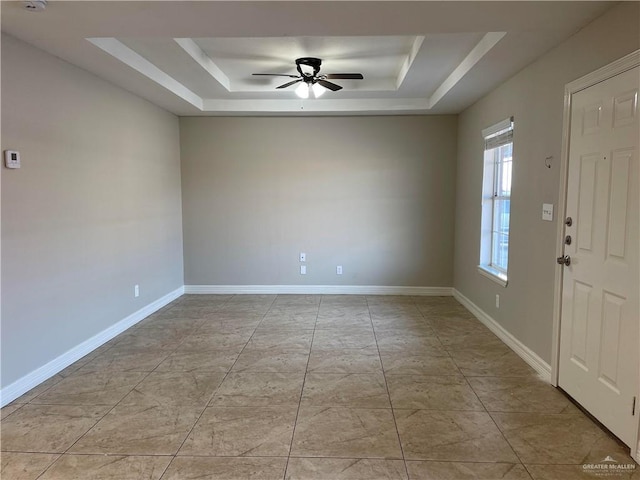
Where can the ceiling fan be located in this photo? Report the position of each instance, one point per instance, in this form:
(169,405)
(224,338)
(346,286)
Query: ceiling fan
(312,81)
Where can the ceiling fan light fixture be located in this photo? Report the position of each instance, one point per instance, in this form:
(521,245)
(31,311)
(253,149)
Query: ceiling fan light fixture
(318,90)
(303,90)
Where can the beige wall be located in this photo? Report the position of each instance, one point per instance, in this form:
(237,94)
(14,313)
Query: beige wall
(94,209)
(535,98)
(373,194)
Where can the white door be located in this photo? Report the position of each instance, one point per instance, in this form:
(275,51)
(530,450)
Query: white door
(600,318)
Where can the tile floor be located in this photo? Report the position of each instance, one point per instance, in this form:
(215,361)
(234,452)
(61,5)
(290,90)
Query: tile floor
(302,387)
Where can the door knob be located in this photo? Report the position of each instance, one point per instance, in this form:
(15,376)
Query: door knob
(566,260)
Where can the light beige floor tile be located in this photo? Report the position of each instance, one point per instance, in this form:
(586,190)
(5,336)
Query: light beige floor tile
(343,301)
(101,467)
(345,469)
(175,388)
(402,364)
(229,324)
(434,301)
(9,409)
(92,388)
(584,472)
(287,322)
(432,393)
(124,360)
(520,394)
(139,430)
(394,332)
(353,337)
(202,361)
(215,341)
(143,340)
(557,438)
(344,361)
(410,345)
(297,300)
(450,327)
(445,310)
(174,332)
(24,466)
(452,436)
(282,341)
(259,389)
(48,428)
(398,319)
(264,330)
(418,328)
(467,471)
(242,431)
(345,317)
(390,300)
(498,361)
(229,468)
(270,361)
(346,390)
(345,432)
(327,310)
(292,315)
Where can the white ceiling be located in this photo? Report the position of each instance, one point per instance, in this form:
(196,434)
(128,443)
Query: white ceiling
(196,58)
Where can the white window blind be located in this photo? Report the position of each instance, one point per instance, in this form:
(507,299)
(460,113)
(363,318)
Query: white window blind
(496,210)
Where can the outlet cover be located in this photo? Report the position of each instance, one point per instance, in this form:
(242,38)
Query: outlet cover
(547,212)
(303,257)
(339,270)
(303,269)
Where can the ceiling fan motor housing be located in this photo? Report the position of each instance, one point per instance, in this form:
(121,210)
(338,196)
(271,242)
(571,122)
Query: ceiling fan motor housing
(312,62)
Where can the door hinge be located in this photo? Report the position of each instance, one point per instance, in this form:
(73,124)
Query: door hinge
(633,407)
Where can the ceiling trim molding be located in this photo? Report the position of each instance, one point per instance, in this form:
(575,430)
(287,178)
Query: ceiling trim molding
(475,55)
(366,105)
(195,52)
(119,50)
(413,53)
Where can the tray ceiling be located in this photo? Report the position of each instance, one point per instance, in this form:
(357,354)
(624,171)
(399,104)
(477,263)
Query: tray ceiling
(197,58)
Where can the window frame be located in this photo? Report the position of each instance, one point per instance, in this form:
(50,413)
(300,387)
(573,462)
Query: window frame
(496,138)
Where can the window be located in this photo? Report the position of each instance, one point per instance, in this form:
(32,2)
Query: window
(496,201)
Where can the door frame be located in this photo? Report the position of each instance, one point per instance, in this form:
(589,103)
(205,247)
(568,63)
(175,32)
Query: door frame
(617,67)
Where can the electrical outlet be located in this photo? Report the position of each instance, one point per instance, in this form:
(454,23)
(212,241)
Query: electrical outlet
(497,301)
(136,290)
(339,270)
(303,269)
(547,212)
(303,257)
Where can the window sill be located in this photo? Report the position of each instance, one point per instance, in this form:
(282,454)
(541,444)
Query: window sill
(492,274)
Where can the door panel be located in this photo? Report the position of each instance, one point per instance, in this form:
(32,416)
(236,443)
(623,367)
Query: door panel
(599,327)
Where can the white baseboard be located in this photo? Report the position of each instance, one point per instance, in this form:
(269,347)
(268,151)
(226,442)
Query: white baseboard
(39,375)
(528,355)
(317,290)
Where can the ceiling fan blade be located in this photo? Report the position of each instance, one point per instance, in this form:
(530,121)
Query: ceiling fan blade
(331,86)
(289,83)
(275,75)
(345,76)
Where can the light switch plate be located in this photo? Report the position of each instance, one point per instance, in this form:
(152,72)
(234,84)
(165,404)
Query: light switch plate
(12,159)
(547,212)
